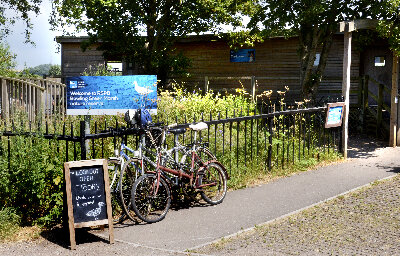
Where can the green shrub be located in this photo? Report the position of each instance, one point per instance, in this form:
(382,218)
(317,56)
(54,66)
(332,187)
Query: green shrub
(9,223)
(32,182)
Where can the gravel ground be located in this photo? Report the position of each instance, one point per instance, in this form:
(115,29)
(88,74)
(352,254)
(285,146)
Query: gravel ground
(364,222)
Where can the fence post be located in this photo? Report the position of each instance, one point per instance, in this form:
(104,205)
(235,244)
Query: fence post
(360,92)
(270,131)
(5,106)
(43,94)
(394,100)
(365,100)
(379,110)
(83,139)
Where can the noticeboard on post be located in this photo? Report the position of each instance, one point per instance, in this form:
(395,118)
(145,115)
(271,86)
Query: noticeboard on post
(334,114)
(110,95)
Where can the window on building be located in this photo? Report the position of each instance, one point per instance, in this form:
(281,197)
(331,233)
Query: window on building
(114,66)
(380,61)
(317,57)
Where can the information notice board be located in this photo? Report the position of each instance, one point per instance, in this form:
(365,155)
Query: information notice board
(334,114)
(88,195)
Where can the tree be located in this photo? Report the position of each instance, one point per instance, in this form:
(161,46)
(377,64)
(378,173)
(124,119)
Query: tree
(22,10)
(143,32)
(55,70)
(314,22)
(40,70)
(7,61)
(388,11)
(45,70)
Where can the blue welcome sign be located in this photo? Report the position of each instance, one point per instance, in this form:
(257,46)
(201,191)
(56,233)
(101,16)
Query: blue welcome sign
(110,95)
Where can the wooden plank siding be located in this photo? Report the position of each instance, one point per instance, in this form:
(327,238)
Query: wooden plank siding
(74,61)
(274,58)
(276,65)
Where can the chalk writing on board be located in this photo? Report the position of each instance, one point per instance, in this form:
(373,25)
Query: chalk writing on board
(88,194)
(95,212)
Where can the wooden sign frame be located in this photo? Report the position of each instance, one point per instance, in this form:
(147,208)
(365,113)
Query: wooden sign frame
(334,105)
(71,219)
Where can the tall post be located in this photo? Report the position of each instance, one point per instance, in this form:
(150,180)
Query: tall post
(253,89)
(346,89)
(206,84)
(83,139)
(379,110)
(87,131)
(394,132)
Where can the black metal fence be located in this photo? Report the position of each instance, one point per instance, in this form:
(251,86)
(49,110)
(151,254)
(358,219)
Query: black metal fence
(263,137)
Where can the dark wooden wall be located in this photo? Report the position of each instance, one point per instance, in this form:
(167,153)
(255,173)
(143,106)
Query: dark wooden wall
(276,65)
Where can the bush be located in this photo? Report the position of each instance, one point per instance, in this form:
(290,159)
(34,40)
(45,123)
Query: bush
(9,223)
(32,182)
(178,103)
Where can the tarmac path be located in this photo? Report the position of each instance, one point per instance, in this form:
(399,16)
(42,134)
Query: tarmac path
(243,209)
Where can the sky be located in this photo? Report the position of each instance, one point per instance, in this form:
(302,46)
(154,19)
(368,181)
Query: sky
(45,51)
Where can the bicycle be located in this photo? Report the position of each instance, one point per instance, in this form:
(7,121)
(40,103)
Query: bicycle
(126,170)
(123,172)
(151,192)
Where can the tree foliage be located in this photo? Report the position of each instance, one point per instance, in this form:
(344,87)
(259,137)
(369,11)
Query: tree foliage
(314,22)
(389,24)
(55,70)
(45,70)
(21,10)
(7,61)
(143,32)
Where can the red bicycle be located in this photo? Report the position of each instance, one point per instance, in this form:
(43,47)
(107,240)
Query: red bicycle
(151,193)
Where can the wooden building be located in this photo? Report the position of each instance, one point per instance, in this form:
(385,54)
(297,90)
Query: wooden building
(363,78)
(274,65)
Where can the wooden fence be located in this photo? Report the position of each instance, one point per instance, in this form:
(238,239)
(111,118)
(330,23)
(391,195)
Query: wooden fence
(375,112)
(329,89)
(34,96)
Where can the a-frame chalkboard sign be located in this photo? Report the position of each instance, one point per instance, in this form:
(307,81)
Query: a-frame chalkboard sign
(88,196)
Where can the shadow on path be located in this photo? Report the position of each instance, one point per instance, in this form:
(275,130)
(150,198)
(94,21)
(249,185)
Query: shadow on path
(363,146)
(60,236)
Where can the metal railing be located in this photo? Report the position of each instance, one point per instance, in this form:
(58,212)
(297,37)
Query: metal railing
(264,137)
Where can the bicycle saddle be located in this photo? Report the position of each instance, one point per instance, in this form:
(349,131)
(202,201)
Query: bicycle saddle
(177,131)
(199,126)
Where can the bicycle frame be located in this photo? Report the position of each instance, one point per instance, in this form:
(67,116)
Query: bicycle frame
(182,174)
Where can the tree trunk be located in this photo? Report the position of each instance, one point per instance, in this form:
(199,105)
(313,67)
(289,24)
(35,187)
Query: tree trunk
(313,38)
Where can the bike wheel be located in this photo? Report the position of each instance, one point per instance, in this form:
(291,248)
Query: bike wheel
(205,154)
(118,212)
(147,205)
(129,173)
(212,183)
